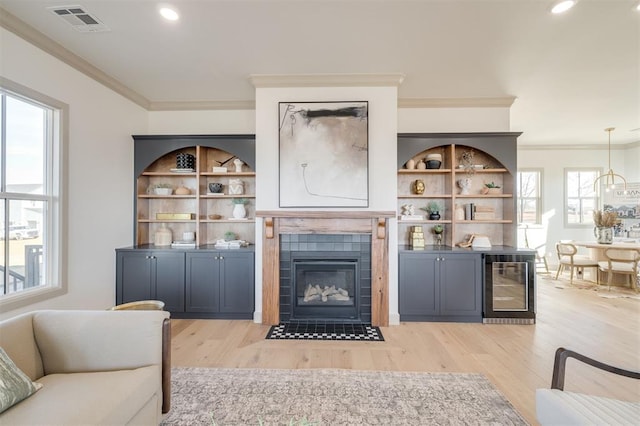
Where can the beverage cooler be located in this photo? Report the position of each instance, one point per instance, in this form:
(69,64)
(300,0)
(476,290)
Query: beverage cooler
(509,288)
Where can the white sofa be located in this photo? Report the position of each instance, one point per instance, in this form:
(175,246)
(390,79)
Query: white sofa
(96,367)
(557,407)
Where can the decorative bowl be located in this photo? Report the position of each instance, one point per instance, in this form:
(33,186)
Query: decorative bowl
(215,187)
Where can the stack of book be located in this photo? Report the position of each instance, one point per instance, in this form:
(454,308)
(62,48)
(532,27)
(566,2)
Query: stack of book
(416,239)
(233,244)
(183,244)
(484,213)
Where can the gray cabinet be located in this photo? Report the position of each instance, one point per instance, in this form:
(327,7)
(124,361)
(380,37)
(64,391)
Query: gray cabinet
(144,275)
(440,286)
(220,284)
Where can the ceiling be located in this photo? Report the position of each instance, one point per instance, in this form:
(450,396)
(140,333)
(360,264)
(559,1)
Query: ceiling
(572,75)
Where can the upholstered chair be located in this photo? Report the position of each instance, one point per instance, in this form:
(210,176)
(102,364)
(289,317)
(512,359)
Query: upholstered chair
(568,258)
(621,261)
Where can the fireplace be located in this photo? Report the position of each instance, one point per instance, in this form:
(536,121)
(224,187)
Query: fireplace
(324,288)
(325,282)
(284,230)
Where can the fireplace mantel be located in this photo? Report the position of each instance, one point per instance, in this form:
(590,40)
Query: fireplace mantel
(279,222)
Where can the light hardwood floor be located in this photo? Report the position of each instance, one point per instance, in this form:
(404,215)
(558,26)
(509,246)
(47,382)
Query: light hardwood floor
(517,359)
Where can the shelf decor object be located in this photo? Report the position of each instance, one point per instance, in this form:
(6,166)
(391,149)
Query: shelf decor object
(610,176)
(324,156)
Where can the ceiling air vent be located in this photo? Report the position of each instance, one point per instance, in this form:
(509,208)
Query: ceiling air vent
(78,17)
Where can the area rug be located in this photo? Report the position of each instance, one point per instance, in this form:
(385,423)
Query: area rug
(616,292)
(325,331)
(221,397)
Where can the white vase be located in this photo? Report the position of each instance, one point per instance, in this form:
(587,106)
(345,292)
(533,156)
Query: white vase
(239,212)
(238,163)
(465,185)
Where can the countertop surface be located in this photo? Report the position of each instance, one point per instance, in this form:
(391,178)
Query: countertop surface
(204,247)
(450,249)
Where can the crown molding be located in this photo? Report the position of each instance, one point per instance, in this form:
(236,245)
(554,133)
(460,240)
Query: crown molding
(28,33)
(496,102)
(202,105)
(326,80)
(578,147)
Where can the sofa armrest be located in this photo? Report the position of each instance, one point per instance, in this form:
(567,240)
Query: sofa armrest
(166,365)
(560,362)
(85,341)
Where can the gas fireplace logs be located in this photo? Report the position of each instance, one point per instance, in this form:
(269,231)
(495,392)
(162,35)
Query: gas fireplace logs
(312,293)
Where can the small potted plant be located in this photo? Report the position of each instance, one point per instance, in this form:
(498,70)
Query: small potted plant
(438,230)
(491,188)
(433,208)
(160,189)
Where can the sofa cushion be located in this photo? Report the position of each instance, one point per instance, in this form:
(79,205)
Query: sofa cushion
(95,343)
(556,407)
(18,341)
(100,398)
(14,384)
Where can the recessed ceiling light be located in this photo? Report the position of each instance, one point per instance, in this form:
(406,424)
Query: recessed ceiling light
(169,14)
(563,6)
(638,7)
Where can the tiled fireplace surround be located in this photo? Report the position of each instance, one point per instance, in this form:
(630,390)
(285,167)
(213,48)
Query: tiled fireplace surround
(278,223)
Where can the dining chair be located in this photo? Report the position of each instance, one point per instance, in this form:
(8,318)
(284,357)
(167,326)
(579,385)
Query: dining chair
(568,258)
(621,261)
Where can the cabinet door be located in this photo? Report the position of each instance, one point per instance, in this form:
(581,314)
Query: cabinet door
(237,294)
(133,280)
(461,284)
(418,289)
(203,282)
(169,280)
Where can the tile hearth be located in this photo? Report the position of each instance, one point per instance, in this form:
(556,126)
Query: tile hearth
(318,330)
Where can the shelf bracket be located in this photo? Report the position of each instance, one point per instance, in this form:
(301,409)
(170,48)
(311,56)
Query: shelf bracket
(382,228)
(268,227)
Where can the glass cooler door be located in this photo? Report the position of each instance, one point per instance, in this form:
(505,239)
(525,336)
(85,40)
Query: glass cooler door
(510,286)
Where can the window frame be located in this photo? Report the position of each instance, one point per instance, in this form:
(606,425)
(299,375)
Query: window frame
(565,199)
(56,182)
(539,199)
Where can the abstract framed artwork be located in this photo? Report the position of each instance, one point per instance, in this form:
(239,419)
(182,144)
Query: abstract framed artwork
(324,154)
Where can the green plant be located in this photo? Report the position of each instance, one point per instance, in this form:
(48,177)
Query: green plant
(432,207)
(160,185)
(438,229)
(239,200)
(492,185)
(230,236)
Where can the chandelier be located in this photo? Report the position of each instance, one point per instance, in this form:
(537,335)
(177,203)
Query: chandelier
(610,176)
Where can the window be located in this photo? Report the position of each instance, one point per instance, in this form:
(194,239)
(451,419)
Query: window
(529,183)
(580,197)
(30,196)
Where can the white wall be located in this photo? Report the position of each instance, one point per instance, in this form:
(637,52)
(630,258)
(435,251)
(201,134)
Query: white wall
(554,161)
(202,122)
(444,120)
(100,189)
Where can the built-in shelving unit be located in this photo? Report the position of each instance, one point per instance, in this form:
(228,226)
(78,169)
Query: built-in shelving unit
(494,160)
(210,214)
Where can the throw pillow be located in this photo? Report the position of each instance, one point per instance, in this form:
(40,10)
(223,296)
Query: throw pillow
(14,384)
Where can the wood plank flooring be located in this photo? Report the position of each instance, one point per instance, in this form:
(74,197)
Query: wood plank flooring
(517,359)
